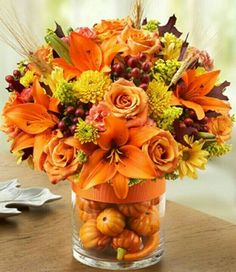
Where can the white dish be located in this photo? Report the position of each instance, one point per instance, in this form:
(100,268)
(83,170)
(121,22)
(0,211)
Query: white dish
(11,197)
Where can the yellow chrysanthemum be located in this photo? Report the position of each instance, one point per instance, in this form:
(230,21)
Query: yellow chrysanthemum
(171,46)
(159,98)
(192,158)
(64,92)
(85,132)
(91,86)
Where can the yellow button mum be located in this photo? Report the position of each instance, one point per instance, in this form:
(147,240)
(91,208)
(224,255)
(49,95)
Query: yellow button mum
(91,86)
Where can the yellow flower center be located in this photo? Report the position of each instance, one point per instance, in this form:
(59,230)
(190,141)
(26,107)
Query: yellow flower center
(114,155)
(186,156)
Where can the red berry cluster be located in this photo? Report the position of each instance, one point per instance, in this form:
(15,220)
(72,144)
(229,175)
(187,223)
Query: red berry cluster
(133,68)
(14,82)
(70,116)
(190,122)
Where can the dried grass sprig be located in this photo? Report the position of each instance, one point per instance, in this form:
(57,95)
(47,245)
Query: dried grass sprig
(137,13)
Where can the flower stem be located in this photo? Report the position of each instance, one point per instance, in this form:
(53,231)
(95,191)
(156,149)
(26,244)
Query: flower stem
(120,253)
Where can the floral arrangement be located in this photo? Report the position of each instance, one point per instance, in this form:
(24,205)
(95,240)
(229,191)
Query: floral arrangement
(118,103)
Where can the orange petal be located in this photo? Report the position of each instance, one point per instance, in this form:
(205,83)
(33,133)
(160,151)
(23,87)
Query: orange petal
(203,84)
(96,170)
(139,120)
(69,70)
(139,136)
(85,53)
(194,106)
(29,117)
(212,103)
(120,185)
(175,99)
(40,142)
(39,95)
(88,148)
(135,164)
(110,48)
(22,141)
(116,133)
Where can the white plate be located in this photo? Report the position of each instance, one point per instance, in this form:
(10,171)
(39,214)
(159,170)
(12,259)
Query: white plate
(11,197)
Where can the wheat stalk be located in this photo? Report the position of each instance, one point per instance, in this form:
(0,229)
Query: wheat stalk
(137,13)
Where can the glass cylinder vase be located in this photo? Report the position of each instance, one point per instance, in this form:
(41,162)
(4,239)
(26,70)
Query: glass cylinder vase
(115,234)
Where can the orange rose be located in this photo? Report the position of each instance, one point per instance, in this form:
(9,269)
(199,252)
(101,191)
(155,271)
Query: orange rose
(163,151)
(125,100)
(140,40)
(60,159)
(108,28)
(221,127)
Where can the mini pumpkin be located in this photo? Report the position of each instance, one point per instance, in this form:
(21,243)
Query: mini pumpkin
(85,216)
(135,209)
(126,241)
(90,205)
(147,223)
(110,222)
(91,237)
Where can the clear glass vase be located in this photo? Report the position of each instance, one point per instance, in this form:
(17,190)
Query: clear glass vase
(118,236)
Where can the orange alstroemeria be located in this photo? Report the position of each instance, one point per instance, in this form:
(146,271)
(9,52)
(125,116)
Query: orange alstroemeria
(35,121)
(116,160)
(86,54)
(192,93)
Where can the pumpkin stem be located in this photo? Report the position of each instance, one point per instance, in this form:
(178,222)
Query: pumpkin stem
(120,253)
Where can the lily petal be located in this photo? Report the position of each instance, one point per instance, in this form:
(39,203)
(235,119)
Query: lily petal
(22,141)
(215,104)
(194,106)
(135,164)
(203,84)
(110,48)
(116,133)
(29,117)
(70,71)
(120,185)
(96,170)
(88,148)
(138,136)
(39,94)
(85,53)
(40,142)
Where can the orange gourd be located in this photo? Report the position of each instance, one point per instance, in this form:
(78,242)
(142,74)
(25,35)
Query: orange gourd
(135,209)
(90,205)
(91,237)
(151,244)
(85,216)
(126,241)
(147,223)
(110,222)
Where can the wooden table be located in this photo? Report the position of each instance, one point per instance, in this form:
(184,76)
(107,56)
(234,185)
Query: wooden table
(39,240)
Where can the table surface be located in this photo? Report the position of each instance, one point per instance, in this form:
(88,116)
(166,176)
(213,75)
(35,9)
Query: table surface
(39,240)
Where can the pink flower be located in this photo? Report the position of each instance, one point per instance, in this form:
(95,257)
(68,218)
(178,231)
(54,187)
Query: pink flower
(150,123)
(86,32)
(26,95)
(97,114)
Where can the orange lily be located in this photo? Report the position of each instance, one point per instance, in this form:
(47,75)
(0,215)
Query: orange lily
(86,54)
(192,93)
(35,122)
(116,160)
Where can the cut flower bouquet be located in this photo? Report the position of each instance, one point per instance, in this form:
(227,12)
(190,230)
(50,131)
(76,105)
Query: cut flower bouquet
(116,109)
